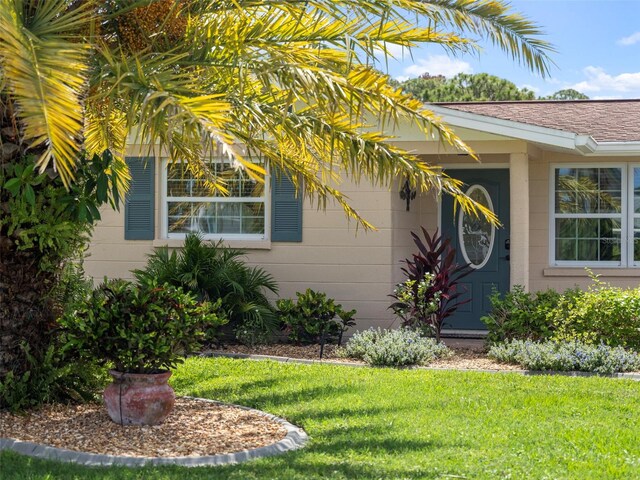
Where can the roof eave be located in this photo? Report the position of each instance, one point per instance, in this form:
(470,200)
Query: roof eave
(581,144)
(617,148)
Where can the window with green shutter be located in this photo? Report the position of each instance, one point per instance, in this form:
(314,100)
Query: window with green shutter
(286,210)
(139,210)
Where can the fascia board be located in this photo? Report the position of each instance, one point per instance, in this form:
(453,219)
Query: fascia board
(584,144)
(617,148)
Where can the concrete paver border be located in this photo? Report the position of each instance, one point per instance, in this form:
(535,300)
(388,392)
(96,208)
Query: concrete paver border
(296,438)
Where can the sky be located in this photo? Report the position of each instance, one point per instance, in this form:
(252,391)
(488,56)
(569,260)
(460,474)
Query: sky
(597,46)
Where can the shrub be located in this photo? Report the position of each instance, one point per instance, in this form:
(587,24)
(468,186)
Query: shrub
(59,375)
(431,294)
(393,348)
(602,314)
(140,328)
(519,315)
(212,271)
(566,356)
(44,224)
(314,318)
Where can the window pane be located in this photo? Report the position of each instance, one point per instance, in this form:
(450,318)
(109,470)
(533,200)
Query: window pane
(566,228)
(588,190)
(566,202)
(181,182)
(610,179)
(185,217)
(216,217)
(636,240)
(610,201)
(587,227)
(566,249)
(587,250)
(564,175)
(610,228)
(588,176)
(610,250)
(636,189)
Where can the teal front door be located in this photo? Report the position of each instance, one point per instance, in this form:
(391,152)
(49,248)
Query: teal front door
(484,247)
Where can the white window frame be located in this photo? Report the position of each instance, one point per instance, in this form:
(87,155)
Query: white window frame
(626,217)
(164,210)
(632,216)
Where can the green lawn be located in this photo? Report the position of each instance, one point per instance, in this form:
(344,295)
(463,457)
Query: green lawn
(405,424)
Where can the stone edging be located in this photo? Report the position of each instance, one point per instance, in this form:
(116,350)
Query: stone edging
(246,356)
(296,438)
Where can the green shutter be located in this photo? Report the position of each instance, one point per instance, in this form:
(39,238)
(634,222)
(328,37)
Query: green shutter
(139,206)
(286,210)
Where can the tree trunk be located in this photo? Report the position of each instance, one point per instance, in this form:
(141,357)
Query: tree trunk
(27,313)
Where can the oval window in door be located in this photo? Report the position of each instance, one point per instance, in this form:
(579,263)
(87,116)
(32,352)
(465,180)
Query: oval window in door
(475,234)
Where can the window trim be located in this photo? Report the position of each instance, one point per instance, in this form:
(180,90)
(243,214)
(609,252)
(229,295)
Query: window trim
(632,216)
(164,212)
(626,253)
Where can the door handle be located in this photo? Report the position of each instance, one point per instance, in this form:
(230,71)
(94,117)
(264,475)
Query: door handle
(507,244)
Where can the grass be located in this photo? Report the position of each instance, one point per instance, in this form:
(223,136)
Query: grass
(408,424)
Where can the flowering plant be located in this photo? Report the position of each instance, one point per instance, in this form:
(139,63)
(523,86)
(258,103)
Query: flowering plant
(417,302)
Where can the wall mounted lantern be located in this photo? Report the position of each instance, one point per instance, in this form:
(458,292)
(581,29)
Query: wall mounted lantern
(406,193)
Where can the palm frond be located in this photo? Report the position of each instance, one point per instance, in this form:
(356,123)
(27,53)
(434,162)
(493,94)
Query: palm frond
(45,71)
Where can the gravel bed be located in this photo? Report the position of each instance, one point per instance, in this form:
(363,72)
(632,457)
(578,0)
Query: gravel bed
(194,428)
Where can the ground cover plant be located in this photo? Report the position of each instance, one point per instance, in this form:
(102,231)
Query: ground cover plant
(566,356)
(393,348)
(408,424)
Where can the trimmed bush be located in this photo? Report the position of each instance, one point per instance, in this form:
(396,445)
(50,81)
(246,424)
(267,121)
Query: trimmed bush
(143,328)
(519,315)
(602,314)
(393,348)
(314,318)
(566,356)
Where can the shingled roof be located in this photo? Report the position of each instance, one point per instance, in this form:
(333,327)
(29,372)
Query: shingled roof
(604,120)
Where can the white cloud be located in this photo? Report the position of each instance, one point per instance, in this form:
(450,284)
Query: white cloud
(395,52)
(630,40)
(438,65)
(600,81)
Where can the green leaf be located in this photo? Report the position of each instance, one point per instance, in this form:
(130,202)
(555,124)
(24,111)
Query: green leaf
(13,186)
(30,195)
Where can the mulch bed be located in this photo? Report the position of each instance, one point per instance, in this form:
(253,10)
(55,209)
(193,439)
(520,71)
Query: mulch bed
(194,428)
(466,358)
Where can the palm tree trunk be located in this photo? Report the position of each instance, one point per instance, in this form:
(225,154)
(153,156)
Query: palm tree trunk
(26,310)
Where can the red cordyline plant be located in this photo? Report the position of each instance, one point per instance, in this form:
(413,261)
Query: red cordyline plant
(431,292)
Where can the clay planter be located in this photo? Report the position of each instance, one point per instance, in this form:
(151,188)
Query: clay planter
(139,398)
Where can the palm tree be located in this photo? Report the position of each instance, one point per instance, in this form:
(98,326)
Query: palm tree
(293,82)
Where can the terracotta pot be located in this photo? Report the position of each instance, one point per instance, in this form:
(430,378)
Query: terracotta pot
(139,398)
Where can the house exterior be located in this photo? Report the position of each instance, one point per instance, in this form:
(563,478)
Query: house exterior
(563,178)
